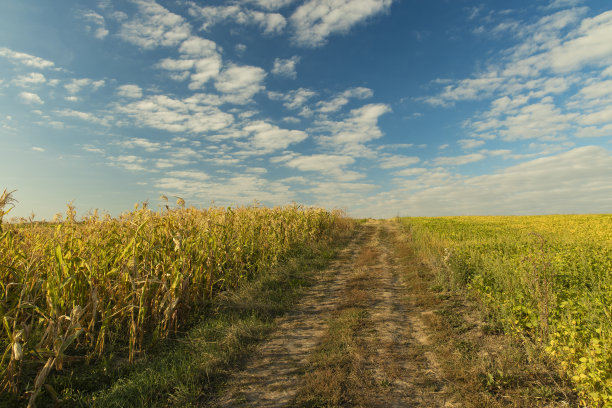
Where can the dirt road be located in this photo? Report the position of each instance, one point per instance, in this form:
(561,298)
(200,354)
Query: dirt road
(353,340)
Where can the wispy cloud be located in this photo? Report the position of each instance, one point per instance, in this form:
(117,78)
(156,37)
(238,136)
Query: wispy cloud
(76,85)
(349,135)
(154,26)
(270,23)
(396,161)
(130,91)
(328,164)
(315,20)
(85,116)
(458,160)
(294,99)
(570,182)
(343,98)
(30,98)
(239,84)
(25,59)
(286,67)
(267,138)
(32,79)
(95,23)
(190,114)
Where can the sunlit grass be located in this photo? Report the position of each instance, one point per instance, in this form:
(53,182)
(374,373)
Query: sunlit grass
(547,278)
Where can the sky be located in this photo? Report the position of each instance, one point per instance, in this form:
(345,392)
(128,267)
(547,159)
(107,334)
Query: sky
(379,107)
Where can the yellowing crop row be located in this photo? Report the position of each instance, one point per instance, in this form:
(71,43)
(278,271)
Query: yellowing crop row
(73,290)
(548,278)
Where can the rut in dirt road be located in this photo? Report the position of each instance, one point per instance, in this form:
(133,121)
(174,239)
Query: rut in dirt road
(376,359)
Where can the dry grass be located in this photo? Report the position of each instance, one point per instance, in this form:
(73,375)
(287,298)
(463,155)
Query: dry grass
(337,374)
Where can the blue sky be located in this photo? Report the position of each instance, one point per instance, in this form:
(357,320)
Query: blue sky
(381,107)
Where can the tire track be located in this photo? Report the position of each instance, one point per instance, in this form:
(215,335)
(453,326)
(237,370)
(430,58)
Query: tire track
(274,374)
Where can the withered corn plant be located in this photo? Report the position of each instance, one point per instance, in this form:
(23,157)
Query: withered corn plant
(71,291)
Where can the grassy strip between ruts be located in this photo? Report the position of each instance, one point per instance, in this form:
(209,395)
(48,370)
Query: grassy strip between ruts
(189,369)
(481,366)
(336,374)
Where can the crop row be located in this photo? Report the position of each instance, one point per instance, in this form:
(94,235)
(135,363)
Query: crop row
(546,278)
(76,290)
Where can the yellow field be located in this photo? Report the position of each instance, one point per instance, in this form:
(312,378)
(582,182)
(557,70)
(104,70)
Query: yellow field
(547,278)
(72,291)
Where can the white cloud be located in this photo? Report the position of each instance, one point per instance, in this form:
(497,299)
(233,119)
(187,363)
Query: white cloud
(540,120)
(285,67)
(190,174)
(176,115)
(314,21)
(236,190)
(76,85)
(30,98)
(38,149)
(85,116)
(597,89)
(98,26)
(267,138)
(93,149)
(205,69)
(128,162)
(130,91)
(271,4)
(198,47)
(467,89)
(360,127)
(543,61)
(555,4)
(176,65)
(240,83)
(398,161)
(359,92)
(590,45)
(154,26)
(294,99)
(416,171)
(25,59)
(577,181)
(326,164)
(592,131)
(467,144)
(33,78)
(343,98)
(141,143)
(270,23)
(603,116)
(458,160)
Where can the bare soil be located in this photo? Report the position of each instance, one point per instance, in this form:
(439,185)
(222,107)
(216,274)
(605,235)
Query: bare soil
(369,333)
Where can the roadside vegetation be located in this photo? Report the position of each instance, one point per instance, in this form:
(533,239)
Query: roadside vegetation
(546,280)
(163,308)
(104,293)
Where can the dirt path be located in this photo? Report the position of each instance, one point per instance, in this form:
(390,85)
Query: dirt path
(379,358)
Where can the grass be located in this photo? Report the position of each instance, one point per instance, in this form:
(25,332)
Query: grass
(336,374)
(480,364)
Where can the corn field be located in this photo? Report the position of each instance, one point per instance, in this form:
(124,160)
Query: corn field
(546,278)
(71,290)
